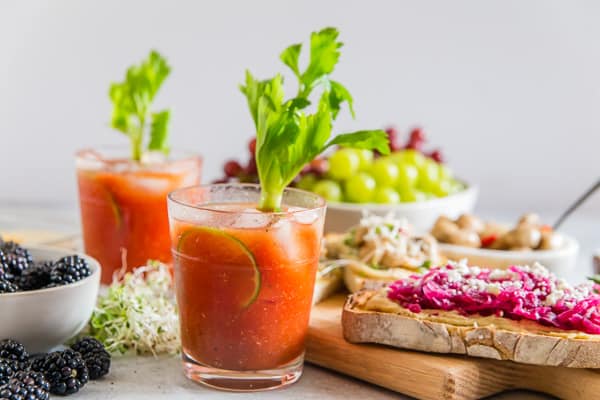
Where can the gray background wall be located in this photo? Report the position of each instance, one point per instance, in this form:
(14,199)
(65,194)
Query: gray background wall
(510,90)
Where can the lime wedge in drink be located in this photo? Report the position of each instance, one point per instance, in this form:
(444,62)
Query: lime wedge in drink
(238,272)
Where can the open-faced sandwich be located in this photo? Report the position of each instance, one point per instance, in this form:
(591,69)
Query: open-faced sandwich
(380,250)
(524,314)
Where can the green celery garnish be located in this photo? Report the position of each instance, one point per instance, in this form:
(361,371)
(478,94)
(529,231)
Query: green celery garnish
(287,135)
(131,106)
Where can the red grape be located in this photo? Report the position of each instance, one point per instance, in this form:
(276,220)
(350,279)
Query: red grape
(319,166)
(251,167)
(437,156)
(417,135)
(392,133)
(222,180)
(416,140)
(232,168)
(252,146)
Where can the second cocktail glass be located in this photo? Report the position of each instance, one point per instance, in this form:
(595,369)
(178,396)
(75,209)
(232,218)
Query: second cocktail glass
(244,281)
(124,208)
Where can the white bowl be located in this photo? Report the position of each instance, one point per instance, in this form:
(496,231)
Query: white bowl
(43,319)
(560,261)
(421,215)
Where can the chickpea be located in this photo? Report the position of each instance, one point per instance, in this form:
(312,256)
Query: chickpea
(529,219)
(550,241)
(470,222)
(524,236)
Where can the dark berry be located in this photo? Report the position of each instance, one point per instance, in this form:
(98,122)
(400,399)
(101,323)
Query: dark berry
(17,258)
(14,353)
(7,287)
(67,270)
(36,277)
(232,168)
(97,359)
(86,345)
(6,372)
(65,371)
(26,386)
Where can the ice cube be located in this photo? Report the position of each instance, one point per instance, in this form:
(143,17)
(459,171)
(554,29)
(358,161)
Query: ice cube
(156,185)
(251,218)
(304,216)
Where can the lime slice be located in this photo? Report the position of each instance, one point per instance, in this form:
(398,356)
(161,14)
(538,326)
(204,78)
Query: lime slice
(220,249)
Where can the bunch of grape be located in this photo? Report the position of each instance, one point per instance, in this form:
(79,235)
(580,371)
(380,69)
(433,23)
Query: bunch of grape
(362,176)
(235,172)
(408,174)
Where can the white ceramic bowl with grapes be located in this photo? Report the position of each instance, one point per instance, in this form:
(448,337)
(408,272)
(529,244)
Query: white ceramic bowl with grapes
(46,318)
(421,215)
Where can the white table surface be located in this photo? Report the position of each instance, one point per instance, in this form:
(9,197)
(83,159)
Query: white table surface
(151,378)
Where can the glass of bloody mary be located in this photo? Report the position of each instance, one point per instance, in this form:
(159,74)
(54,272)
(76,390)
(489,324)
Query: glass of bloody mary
(123,204)
(244,280)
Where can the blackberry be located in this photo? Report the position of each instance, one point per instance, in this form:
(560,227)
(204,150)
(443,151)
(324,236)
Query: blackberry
(35,277)
(6,372)
(5,273)
(97,359)
(14,353)
(65,371)
(17,258)
(25,386)
(7,286)
(67,270)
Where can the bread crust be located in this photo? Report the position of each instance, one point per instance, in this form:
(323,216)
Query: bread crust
(392,329)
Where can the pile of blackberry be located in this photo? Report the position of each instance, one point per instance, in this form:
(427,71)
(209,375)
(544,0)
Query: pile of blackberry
(20,272)
(61,372)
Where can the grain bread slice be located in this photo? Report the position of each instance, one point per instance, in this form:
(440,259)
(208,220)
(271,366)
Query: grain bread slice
(529,343)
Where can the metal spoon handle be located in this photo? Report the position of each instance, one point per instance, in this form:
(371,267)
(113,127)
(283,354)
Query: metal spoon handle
(576,204)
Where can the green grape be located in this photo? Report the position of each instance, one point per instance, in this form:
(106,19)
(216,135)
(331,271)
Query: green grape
(360,188)
(445,172)
(412,157)
(385,172)
(442,188)
(307,182)
(328,189)
(410,195)
(366,158)
(407,175)
(386,195)
(429,176)
(343,164)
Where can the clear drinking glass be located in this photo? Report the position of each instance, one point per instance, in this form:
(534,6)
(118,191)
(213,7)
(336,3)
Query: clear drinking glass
(244,281)
(123,205)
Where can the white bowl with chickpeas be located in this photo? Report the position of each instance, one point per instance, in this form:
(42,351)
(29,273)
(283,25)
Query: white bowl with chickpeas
(497,245)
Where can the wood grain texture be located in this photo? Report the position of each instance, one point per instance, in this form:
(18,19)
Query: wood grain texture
(432,376)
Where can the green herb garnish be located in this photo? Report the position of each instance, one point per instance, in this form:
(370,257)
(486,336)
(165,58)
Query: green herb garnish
(138,313)
(594,278)
(131,106)
(288,135)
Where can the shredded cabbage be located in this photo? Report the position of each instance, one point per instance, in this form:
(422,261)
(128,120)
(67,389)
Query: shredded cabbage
(138,314)
(530,293)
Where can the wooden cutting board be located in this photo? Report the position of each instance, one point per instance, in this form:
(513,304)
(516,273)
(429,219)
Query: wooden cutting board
(431,376)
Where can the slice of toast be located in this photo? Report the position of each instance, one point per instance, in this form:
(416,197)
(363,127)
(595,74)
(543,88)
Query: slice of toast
(367,318)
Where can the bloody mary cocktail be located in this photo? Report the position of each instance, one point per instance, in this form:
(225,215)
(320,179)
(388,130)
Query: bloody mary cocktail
(124,208)
(244,281)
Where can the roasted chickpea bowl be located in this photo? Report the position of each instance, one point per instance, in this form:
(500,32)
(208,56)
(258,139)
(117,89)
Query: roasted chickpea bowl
(498,245)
